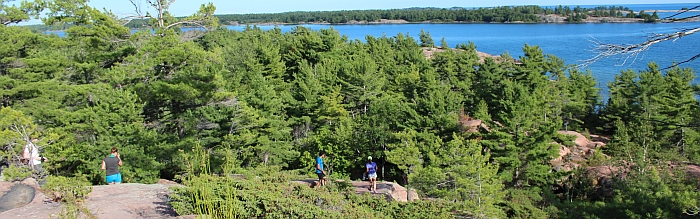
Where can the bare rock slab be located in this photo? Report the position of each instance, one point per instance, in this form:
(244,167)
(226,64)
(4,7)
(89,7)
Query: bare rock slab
(123,201)
(19,195)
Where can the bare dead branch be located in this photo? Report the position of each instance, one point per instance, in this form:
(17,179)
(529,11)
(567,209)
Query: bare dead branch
(137,7)
(628,52)
(681,12)
(125,20)
(697,56)
(692,211)
(682,19)
(8,22)
(195,23)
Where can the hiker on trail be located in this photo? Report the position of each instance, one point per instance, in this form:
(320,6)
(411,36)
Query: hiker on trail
(322,180)
(31,154)
(371,171)
(112,163)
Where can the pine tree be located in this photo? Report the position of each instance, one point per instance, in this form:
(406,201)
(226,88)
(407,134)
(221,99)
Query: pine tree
(362,82)
(425,39)
(405,154)
(443,44)
(469,178)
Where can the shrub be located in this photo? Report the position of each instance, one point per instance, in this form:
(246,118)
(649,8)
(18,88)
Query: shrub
(71,192)
(222,197)
(64,189)
(267,192)
(16,173)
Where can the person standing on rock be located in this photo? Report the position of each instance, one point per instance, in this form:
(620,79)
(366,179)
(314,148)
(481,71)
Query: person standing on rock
(371,171)
(31,154)
(322,180)
(112,164)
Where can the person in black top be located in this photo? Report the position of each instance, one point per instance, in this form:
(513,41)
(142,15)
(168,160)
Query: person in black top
(112,164)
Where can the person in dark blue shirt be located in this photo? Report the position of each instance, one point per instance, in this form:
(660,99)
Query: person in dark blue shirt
(322,180)
(371,171)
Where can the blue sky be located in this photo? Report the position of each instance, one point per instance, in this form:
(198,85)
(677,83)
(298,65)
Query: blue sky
(188,7)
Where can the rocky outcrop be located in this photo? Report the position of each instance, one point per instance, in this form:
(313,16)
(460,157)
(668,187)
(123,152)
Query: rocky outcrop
(389,190)
(123,201)
(573,157)
(428,52)
(136,201)
(19,195)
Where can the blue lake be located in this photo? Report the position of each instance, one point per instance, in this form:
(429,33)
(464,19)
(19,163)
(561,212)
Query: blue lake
(569,42)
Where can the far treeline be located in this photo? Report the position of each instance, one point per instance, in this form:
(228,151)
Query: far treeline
(503,14)
(234,115)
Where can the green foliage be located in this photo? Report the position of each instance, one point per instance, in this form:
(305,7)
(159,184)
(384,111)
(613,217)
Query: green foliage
(16,173)
(65,189)
(71,192)
(598,158)
(650,193)
(17,129)
(267,192)
(263,103)
(651,113)
(461,173)
(524,203)
(76,211)
(12,13)
(232,198)
(425,39)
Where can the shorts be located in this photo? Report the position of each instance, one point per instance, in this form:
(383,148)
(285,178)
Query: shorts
(38,168)
(321,176)
(114,178)
(372,175)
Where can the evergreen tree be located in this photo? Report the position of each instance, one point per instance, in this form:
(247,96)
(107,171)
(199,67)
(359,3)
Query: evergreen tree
(443,44)
(425,39)
(461,172)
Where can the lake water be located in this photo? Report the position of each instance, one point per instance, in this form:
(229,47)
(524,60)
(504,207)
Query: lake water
(571,42)
(567,41)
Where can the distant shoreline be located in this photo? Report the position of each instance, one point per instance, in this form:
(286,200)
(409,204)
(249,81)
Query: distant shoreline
(545,19)
(666,11)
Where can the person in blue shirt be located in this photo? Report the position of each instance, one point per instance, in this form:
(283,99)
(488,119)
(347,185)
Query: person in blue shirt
(371,171)
(322,180)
